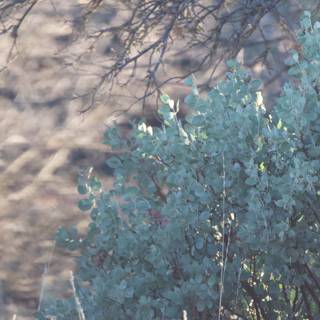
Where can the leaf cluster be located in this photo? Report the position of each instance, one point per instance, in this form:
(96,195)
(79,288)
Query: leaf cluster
(215,216)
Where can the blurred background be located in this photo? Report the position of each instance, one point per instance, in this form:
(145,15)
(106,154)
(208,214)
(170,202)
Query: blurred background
(70,69)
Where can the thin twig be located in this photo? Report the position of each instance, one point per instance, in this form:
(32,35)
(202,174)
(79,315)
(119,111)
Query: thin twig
(76,298)
(223,269)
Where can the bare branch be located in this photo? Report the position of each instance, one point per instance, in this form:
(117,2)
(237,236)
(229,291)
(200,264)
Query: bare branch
(142,42)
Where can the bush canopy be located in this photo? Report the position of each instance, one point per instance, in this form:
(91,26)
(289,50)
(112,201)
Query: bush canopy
(214,216)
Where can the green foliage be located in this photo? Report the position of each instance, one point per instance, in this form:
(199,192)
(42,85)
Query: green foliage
(222,210)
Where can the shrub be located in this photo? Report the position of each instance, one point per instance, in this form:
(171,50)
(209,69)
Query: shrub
(213,217)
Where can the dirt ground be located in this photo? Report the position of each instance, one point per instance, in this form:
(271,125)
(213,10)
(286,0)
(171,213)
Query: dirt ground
(44,140)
